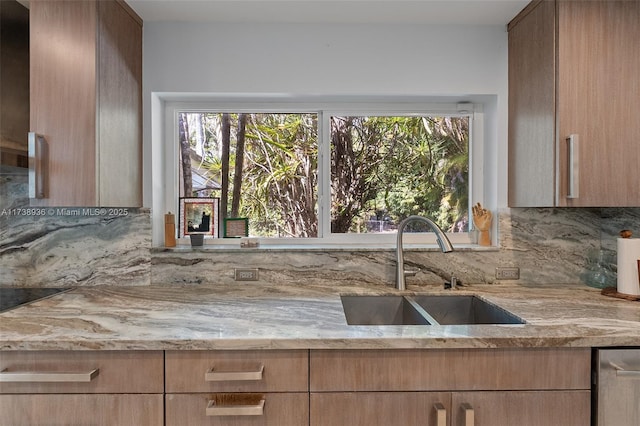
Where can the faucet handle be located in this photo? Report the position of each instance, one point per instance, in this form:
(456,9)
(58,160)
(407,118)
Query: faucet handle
(452,284)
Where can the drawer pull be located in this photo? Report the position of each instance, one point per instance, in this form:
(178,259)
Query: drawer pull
(47,377)
(441,414)
(469,414)
(223,376)
(236,405)
(621,372)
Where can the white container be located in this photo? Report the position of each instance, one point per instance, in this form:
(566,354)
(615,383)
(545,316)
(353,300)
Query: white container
(628,256)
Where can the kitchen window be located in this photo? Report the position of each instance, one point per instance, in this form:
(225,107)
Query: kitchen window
(330,172)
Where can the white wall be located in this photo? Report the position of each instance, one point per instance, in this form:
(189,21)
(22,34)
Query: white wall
(331,59)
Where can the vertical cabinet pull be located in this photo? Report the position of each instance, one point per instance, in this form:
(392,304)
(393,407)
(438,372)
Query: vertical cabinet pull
(236,405)
(214,375)
(48,377)
(38,155)
(441,414)
(469,414)
(573,166)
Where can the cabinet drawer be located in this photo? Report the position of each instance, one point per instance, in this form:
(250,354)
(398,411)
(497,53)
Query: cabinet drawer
(72,410)
(81,372)
(237,371)
(450,369)
(280,409)
(379,408)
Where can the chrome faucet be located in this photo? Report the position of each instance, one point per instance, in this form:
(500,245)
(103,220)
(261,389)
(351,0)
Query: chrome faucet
(443,242)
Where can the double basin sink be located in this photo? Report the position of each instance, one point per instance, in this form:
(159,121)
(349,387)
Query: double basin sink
(424,310)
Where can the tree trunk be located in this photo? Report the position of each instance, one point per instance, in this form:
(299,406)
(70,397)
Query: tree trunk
(185,154)
(226,143)
(199,130)
(237,175)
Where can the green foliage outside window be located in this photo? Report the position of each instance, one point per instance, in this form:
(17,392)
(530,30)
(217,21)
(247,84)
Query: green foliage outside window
(264,167)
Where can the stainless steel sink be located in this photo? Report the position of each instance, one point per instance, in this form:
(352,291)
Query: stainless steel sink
(424,310)
(451,310)
(381,310)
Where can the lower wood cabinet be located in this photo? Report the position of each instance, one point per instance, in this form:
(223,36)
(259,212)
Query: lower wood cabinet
(66,388)
(498,408)
(82,410)
(535,408)
(427,387)
(450,387)
(237,371)
(276,409)
(380,408)
(237,388)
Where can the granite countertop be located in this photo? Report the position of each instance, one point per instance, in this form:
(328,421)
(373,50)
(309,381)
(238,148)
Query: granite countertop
(267,316)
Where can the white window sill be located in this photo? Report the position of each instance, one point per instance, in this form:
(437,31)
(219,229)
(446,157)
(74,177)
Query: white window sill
(223,248)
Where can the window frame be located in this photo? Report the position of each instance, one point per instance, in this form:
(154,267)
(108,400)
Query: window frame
(396,106)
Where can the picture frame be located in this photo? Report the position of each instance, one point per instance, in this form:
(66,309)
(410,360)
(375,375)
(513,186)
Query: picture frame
(235,227)
(198,216)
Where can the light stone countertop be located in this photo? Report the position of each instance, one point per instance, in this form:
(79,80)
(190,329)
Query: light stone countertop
(268,316)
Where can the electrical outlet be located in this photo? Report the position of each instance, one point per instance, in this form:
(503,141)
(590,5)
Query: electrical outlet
(507,273)
(246,274)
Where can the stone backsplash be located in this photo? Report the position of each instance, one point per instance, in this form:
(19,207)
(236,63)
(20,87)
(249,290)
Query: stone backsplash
(69,246)
(77,247)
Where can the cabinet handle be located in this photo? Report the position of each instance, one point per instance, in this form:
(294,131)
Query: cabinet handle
(235,405)
(221,376)
(573,166)
(37,165)
(441,414)
(47,377)
(469,414)
(621,372)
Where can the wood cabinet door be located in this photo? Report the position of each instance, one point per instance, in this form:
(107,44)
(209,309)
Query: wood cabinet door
(598,85)
(536,408)
(119,106)
(82,410)
(63,97)
(532,155)
(379,408)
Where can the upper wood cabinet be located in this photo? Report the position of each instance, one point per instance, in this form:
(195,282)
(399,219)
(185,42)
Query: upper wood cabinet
(574,79)
(86,99)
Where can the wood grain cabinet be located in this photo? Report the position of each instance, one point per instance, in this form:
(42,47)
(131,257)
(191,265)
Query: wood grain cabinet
(450,387)
(105,388)
(266,388)
(573,102)
(86,100)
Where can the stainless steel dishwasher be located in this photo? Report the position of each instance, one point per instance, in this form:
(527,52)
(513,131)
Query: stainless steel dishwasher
(617,387)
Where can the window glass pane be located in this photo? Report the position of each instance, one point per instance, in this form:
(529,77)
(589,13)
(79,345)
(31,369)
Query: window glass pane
(384,169)
(262,166)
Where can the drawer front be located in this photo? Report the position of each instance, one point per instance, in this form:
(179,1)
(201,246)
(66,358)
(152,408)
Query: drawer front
(81,410)
(380,408)
(279,409)
(237,371)
(450,369)
(81,372)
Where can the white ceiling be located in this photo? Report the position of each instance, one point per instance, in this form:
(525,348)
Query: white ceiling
(466,12)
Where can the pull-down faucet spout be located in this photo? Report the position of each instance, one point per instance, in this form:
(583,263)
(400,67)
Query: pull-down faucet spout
(443,242)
